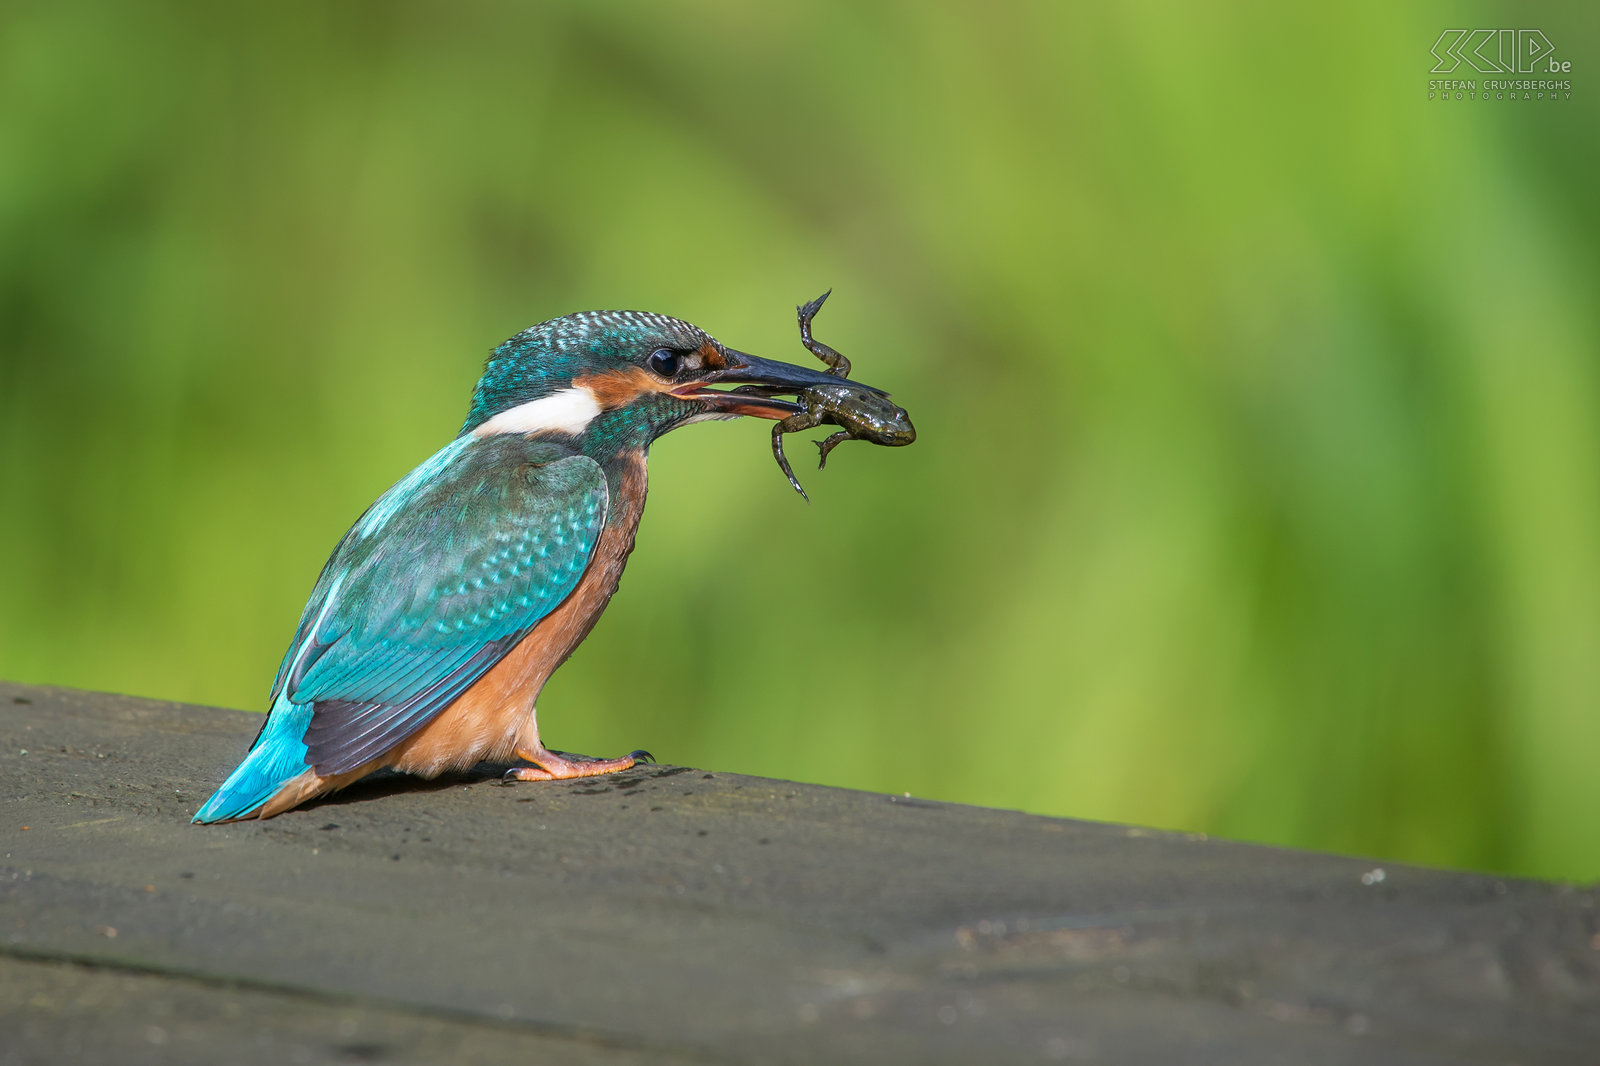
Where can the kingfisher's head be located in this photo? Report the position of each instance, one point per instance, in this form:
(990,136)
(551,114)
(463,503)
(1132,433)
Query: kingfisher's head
(620,379)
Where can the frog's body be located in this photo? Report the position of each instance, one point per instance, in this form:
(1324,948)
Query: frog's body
(861,412)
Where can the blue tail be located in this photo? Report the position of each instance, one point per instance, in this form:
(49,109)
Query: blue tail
(279,753)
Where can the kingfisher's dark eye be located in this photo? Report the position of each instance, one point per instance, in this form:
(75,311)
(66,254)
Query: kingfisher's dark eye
(664,361)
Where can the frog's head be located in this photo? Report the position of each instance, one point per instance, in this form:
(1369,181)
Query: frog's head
(881,421)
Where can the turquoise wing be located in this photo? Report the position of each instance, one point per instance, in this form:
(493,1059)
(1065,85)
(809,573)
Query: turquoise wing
(430,588)
(427,593)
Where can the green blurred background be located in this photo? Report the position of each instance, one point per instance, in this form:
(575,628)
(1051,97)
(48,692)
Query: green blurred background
(1257,489)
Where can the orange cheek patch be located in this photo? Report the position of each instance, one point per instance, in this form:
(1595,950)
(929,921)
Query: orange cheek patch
(710,358)
(619,388)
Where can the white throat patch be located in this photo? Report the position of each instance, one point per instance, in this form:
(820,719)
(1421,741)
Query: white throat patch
(568,411)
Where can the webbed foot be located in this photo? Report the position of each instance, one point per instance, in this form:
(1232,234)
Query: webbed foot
(809,311)
(827,445)
(838,365)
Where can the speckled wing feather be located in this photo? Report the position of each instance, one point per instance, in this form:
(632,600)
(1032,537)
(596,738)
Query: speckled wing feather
(433,586)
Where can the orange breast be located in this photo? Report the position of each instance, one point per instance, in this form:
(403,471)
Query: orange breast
(488,720)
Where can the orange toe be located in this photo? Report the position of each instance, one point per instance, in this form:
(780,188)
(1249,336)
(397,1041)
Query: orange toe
(548,766)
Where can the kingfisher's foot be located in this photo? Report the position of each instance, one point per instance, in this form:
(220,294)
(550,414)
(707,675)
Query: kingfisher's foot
(555,766)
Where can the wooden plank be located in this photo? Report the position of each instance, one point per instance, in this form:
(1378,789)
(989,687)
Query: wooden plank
(670,914)
(54,1012)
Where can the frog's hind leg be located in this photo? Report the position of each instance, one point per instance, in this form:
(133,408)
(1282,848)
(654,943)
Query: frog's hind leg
(829,444)
(838,365)
(783,460)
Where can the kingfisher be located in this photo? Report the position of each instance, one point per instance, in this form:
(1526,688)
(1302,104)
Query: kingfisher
(453,598)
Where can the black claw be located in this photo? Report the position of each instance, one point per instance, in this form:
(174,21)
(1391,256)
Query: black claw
(641,756)
(506,778)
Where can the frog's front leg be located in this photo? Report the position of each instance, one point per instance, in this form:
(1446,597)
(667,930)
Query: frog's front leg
(838,365)
(793,424)
(828,444)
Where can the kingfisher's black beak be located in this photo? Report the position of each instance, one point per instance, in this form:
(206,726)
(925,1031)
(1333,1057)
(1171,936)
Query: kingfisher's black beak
(761,382)
(771,375)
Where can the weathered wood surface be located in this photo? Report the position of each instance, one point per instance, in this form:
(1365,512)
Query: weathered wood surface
(674,915)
